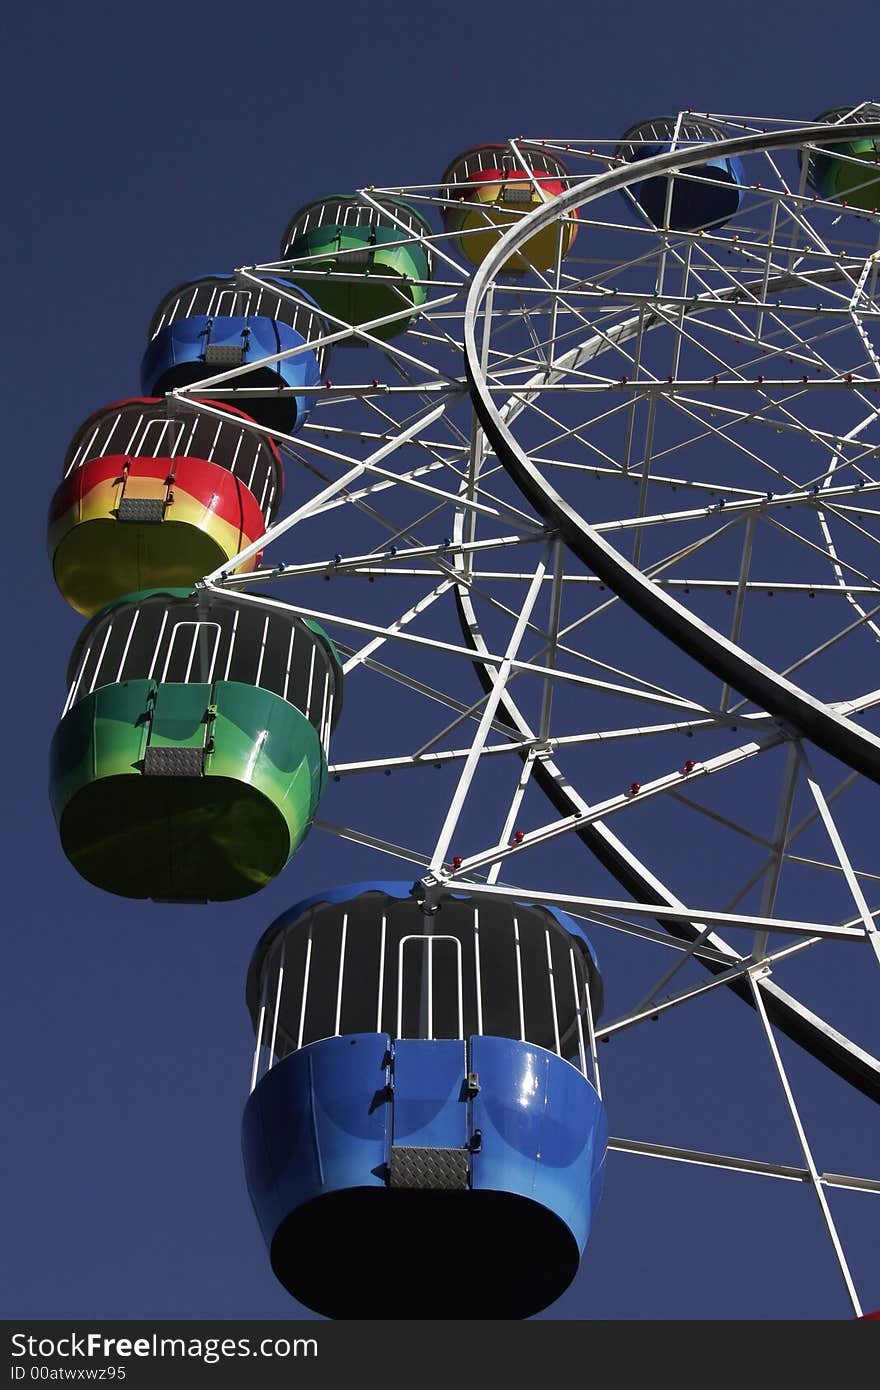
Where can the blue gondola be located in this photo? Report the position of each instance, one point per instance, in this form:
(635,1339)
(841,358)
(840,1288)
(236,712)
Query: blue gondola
(212,325)
(422,1137)
(705,195)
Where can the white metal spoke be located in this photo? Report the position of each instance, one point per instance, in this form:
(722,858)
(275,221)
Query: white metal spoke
(470,766)
(805,1149)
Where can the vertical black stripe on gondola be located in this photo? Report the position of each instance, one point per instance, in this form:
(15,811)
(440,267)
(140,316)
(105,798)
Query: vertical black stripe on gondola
(320,1015)
(498,971)
(537,1000)
(295,953)
(360,989)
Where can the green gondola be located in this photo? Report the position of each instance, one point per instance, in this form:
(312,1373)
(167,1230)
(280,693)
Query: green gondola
(192,753)
(848,171)
(373,260)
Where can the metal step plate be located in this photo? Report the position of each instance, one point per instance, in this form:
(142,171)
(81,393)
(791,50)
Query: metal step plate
(442,1170)
(219,355)
(174,762)
(149,510)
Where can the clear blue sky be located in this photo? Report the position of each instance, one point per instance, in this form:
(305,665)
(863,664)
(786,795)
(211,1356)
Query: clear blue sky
(143,145)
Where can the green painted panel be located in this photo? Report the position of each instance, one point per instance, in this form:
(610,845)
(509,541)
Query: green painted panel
(368,298)
(103,735)
(179,716)
(260,739)
(218,836)
(833,178)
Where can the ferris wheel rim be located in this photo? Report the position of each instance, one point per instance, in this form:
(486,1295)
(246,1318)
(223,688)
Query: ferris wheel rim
(836,734)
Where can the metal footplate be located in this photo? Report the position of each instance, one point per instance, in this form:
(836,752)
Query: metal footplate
(174,762)
(358,256)
(440,1170)
(223,355)
(146,510)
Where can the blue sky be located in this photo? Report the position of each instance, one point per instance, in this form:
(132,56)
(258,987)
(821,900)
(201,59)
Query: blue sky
(144,146)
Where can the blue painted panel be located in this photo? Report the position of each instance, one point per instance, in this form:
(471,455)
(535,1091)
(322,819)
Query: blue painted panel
(428,1107)
(184,341)
(317,1122)
(543,1130)
(693,205)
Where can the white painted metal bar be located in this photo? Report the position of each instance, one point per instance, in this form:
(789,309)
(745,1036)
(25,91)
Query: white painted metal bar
(613,805)
(805,1147)
(100,660)
(308,699)
(780,836)
(591,1034)
(478,975)
(232,637)
(513,811)
(553,628)
(340,975)
(158,645)
(360,837)
(552,983)
(277,1008)
(258,1046)
(654,1009)
(331,490)
(289,660)
(498,683)
(305,987)
(739,601)
(137,614)
(411,613)
(259,1031)
(578,1010)
(785,1172)
(852,881)
(519,980)
(739,921)
(263,636)
(489,658)
(642,1007)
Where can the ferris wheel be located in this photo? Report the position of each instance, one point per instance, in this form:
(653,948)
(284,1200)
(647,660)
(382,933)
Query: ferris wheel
(563,468)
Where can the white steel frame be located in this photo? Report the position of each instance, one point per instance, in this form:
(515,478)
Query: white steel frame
(530,354)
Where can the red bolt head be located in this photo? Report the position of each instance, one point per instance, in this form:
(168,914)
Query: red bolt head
(624,380)
(714,381)
(634,787)
(375,382)
(518,837)
(760,379)
(689,765)
(327,385)
(456,861)
(670,379)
